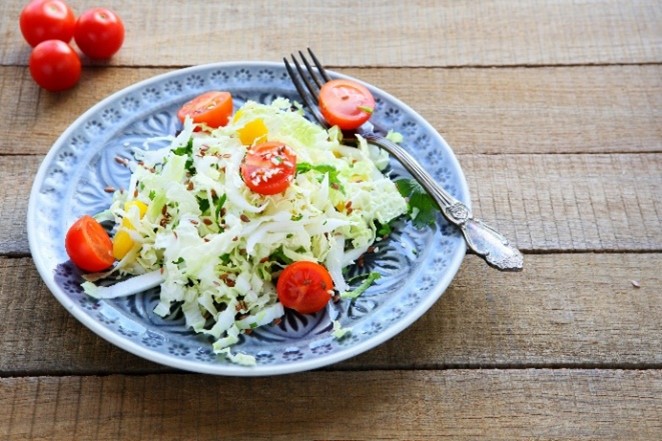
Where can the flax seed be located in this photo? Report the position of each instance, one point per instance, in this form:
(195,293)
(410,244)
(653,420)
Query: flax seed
(121,160)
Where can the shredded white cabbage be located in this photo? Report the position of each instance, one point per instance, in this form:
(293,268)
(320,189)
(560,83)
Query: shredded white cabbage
(216,248)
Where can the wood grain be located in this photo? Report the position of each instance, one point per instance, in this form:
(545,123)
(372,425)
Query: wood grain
(541,202)
(381,33)
(587,109)
(570,202)
(457,404)
(554,110)
(564,310)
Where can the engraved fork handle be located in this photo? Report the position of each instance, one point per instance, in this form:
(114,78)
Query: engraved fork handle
(480,237)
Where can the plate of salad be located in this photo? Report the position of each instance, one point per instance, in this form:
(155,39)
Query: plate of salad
(200,219)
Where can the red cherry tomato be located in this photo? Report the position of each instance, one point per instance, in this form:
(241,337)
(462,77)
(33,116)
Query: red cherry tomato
(54,65)
(345,103)
(43,20)
(213,108)
(99,33)
(88,245)
(268,168)
(305,287)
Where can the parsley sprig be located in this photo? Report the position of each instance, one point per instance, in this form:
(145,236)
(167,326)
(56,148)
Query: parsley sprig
(422,208)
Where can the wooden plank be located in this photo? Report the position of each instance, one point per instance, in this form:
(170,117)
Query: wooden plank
(565,310)
(455,404)
(570,202)
(542,202)
(509,110)
(429,33)
(16,176)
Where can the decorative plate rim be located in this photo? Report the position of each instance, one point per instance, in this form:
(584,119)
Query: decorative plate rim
(46,271)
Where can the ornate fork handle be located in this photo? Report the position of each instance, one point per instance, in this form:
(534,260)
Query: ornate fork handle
(480,237)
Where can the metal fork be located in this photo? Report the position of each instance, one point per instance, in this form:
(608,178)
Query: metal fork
(480,238)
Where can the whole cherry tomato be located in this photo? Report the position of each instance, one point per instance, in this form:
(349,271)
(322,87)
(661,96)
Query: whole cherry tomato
(54,65)
(268,168)
(88,245)
(305,287)
(99,33)
(345,103)
(43,20)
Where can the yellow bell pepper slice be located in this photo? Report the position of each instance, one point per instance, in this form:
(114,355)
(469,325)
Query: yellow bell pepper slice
(253,131)
(122,242)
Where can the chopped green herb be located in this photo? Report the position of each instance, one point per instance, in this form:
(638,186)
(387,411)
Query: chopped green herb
(280,257)
(372,276)
(422,208)
(384,230)
(187,151)
(219,202)
(304,167)
(203,203)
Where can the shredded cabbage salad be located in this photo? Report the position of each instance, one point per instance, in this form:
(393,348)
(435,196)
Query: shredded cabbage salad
(216,248)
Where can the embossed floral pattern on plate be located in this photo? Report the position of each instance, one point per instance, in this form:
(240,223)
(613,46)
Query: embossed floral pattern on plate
(416,264)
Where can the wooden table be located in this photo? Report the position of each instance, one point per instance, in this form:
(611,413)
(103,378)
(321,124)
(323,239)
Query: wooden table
(554,109)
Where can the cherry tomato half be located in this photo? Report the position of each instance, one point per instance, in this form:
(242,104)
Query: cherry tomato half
(268,168)
(305,287)
(43,20)
(88,245)
(99,33)
(345,103)
(213,108)
(54,65)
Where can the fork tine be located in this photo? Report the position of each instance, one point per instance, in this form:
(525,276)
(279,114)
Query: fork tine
(313,75)
(309,98)
(319,66)
(303,93)
(314,91)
